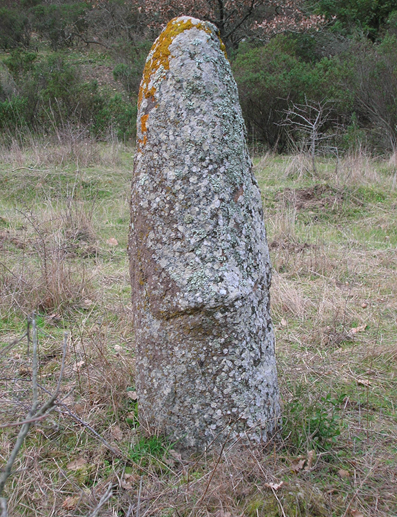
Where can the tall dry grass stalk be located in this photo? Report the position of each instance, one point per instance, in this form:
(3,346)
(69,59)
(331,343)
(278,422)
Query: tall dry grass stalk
(47,275)
(288,299)
(357,169)
(393,166)
(61,150)
(298,166)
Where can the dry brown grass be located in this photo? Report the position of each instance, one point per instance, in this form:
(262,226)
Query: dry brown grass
(334,301)
(66,147)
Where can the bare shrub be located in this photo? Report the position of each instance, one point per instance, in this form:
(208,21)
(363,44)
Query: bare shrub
(45,277)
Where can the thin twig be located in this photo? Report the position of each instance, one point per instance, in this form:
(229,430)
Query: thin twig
(30,421)
(34,413)
(139,497)
(279,502)
(106,496)
(3,507)
(12,344)
(213,472)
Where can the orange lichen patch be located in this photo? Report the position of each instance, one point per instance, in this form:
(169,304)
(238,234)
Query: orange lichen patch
(160,52)
(144,123)
(142,141)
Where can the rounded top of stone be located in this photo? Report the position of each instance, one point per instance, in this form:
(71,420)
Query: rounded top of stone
(157,62)
(195,21)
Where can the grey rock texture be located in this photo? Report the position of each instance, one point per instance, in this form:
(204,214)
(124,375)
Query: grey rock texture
(200,267)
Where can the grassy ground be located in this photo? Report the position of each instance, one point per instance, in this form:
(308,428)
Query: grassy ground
(333,238)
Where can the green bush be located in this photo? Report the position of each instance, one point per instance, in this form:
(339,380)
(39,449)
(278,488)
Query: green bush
(360,83)
(116,115)
(52,94)
(271,78)
(125,75)
(60,24)
(20,62)
(368,17)
(13,113)
(129,73)
(14,29)
(371,77)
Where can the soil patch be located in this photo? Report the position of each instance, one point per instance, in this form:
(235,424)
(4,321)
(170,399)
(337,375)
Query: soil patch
(295,247)
(316,197)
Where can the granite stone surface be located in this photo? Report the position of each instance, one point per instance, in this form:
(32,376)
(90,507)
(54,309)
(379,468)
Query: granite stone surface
(199,259)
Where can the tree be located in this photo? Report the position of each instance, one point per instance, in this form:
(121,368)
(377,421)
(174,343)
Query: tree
(235,19)
(306,123)
(350,16)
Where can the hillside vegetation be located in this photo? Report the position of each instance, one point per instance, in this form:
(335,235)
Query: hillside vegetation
(76,67)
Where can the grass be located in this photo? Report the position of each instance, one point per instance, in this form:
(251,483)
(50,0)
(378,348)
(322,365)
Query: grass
(64,218)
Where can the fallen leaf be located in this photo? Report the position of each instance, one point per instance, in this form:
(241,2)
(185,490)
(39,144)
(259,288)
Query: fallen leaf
(129,481)
(87,303)
(132,395)
(76,464)
(25,371)
(283,322)
(364,382)
(70,503)
(54,316)
(358,329)
(112,242)
(117,433)
(176,455)
(343,473)
(274,486)
(310,458)
(77,366)
(297,466)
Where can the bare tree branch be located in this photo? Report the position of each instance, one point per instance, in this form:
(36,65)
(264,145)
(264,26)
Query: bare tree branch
(310,119)
(36,412)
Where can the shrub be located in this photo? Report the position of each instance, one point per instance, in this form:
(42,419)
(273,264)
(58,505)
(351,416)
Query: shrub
(351,16)
(52,95)
(117,115)
(13,113)
(371,77)
(125,75)
(270,78)
(129,72)
(60,24)
(20,62)
(14,29)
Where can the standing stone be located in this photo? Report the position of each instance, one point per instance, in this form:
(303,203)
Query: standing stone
(200,267)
